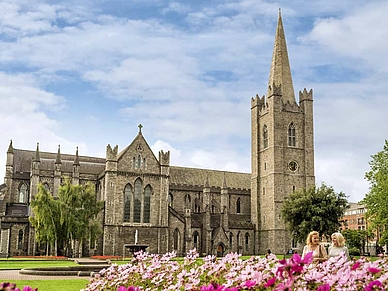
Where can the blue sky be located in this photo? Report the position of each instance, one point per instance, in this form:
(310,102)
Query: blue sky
(86,73)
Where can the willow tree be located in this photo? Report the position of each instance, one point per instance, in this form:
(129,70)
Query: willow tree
(45,219)
(376,201)
(79,209)
(318,208)
(68,220)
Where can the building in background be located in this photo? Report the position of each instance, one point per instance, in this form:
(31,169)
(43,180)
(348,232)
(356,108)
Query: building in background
(354,217)
(177,208)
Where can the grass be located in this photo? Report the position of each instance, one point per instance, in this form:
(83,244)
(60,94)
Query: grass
(22,264)
(52,285)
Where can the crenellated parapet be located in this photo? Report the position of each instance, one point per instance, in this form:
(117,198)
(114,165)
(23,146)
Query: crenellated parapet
(258,101)
(111,154)
(291,106)
(164,158)
(275,90)
(305,95)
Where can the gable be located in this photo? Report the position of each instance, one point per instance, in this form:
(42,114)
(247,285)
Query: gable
(138,156)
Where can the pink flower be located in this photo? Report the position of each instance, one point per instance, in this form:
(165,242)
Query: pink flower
(250,283)
(325,287)
(356,265)
(212,287)
(374,270)
(371,285)
(130,288)
(270,282)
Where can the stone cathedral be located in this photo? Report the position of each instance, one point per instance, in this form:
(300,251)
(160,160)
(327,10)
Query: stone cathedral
(176,208)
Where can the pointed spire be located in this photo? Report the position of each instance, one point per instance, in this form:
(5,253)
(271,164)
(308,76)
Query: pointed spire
(10,148)
(76,159)
(58,160)
(224,182)
(280,72)
(37,156)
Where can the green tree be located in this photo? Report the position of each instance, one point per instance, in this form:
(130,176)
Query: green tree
(70,219)
(318,208)
(376,201)
(357,238)
(354,238)
(45,219)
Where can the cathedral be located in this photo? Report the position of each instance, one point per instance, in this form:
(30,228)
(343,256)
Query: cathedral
(148,201)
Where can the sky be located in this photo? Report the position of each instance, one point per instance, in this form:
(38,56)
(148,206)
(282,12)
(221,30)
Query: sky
(86,73)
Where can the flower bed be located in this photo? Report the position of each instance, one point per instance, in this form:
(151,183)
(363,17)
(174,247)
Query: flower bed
(6,286)
(106,257)
(41,257)
(154,272)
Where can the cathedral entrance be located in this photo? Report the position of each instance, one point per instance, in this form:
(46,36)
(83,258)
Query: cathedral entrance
(220,250)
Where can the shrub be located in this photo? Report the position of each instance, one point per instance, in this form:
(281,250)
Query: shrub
(354,251)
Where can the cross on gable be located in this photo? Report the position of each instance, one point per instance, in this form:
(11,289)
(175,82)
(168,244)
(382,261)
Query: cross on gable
(140,127)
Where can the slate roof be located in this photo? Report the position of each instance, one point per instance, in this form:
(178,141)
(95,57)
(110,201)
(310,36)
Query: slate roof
(197,177)
(88,165)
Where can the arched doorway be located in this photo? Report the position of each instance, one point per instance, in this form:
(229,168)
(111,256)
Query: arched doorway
(220,250)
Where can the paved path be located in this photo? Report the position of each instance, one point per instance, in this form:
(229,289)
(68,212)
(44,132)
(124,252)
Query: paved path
(10,275)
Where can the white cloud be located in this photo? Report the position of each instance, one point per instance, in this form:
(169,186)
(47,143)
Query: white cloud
(176,7)
(361,34)
(191,84)
(24,116)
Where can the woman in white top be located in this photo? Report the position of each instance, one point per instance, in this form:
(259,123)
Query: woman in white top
(313,245)
(338,246)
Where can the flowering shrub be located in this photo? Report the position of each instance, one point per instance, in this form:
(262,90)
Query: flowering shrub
(41,257)
(154,272)
(6,286)
(106,257)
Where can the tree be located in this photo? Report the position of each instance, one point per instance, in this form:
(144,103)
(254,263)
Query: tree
(317,209)
(354,238)
(69,220)
(376,201)
(45,218)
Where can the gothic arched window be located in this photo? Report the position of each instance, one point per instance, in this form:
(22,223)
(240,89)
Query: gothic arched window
(23,193)
(187,201)
(127,202)
(247,241)
(291,135)
(138,161)
(147,204)
(238,242)
(265,136)
(176,239)
(238,205)
(20,240)
(196,240)
(170,200)
(137,202)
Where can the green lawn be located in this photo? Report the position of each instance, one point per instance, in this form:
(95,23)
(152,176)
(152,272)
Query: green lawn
(22,264)
(52,285)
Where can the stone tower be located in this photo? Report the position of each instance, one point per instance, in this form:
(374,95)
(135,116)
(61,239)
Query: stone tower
(282,149)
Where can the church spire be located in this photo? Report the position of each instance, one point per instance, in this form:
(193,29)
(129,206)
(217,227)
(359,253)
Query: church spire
(76,159)
(280,80)
(10,148)
(58,159)
(37,155)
